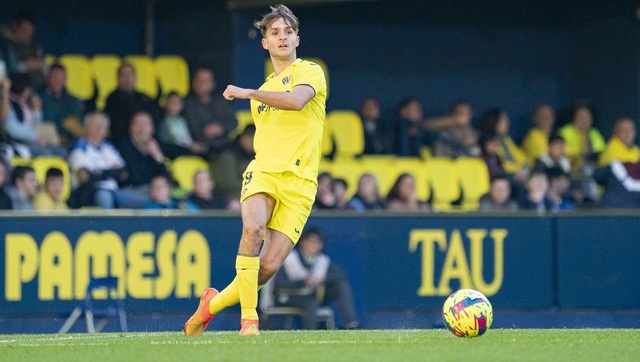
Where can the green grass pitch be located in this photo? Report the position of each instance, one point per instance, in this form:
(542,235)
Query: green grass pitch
(361,345)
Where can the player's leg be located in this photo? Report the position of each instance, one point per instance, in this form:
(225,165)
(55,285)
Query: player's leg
(275,250)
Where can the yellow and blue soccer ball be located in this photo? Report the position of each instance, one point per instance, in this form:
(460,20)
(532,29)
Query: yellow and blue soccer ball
(467,313)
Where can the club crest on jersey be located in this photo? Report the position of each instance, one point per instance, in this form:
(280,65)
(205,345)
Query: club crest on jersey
(286,80)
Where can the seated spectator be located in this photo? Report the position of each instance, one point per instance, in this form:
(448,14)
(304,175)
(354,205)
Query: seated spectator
(367,196)
(142,155)
(559,183)
(210,117)
(173,128)
(5,175)
(25,187)
(459,138)
(376,137)
(402,196)
(48,199)
(6,143)
(25,123)
(535,142)
(496,122)
(536,197)
(622,145)
(160,195)
(621,182)
(125,101)
(310,279)
(21,52)
(410,134)
(339,187)
(325,198)
(228,166)
(60,107)
(206,197)
(97,168)
(555,156)
(499,196)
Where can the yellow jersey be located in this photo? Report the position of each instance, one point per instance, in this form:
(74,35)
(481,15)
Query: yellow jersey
(288,140)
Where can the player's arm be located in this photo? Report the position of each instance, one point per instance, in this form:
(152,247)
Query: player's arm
(291,101)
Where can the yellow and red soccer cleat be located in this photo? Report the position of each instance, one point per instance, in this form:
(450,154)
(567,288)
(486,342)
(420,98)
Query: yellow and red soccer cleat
(249,327)
(201,318)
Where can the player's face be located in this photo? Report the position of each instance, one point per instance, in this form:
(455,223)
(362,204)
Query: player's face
(281,40)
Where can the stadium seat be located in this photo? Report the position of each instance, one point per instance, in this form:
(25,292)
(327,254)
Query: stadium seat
(474,180)
(382,167)
(50,59)
(41,164)
(349,170)
(268,68)
(183,168)
(268,309)
(418,168)
(105,73)
(173,75)
(348,134)
(146,80)
(326,165)
(110,285)
(444,181)
(244,118)
(79,75)
(327,141)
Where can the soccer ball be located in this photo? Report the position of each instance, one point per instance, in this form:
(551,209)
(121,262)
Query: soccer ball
(467,313)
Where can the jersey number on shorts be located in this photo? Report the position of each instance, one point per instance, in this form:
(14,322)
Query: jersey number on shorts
(247,177)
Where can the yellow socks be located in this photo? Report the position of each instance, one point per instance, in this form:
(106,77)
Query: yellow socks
(226,298)
(247,268)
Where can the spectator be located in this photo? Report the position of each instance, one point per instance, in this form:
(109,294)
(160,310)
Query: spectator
(142,155)
(228,166)
(376,137)
(403,197)
(499,196)
(173,128)
(97,168)
(49,199)
(60,107)
(21,52)
(410,134)
(339,187)
(367,196)
(555,156)
(325,198)
(583,142)
(206,197)
(309,279)
(622,145)
(536,197)
(209,116)
(459,138)
(160,195)
(496,122)
(6,143)
(25,124)
(5,175)
(621,182)
(24,188)
(126,101)
(559,182)
(536,141)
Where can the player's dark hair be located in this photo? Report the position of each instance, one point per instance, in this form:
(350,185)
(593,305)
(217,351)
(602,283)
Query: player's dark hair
(277,12)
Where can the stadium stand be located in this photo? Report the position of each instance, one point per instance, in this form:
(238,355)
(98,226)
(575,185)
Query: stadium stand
(173,75)
(79,75)
(474,181)
(183,168)
(105,75)
(41,164)
(146,77)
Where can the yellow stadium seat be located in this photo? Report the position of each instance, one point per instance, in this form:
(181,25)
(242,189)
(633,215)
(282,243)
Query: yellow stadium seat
(418,169)
(79,75)
(50,59)
(268,68)
(244,118)
(105,73)
(347,131)
(382,167)
(146,80)
(349,170)
(41,164)
(327,140)
(173,75)
(474,180)
(326,165)
(444,181)
(183,168)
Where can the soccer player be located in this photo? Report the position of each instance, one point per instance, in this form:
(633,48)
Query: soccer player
(280,184)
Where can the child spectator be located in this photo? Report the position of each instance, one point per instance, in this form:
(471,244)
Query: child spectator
(49,199)
(173,128)
(499,196)
(160,193)
(206,197)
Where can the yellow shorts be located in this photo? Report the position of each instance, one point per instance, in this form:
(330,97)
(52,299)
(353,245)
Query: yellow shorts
(294,198)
